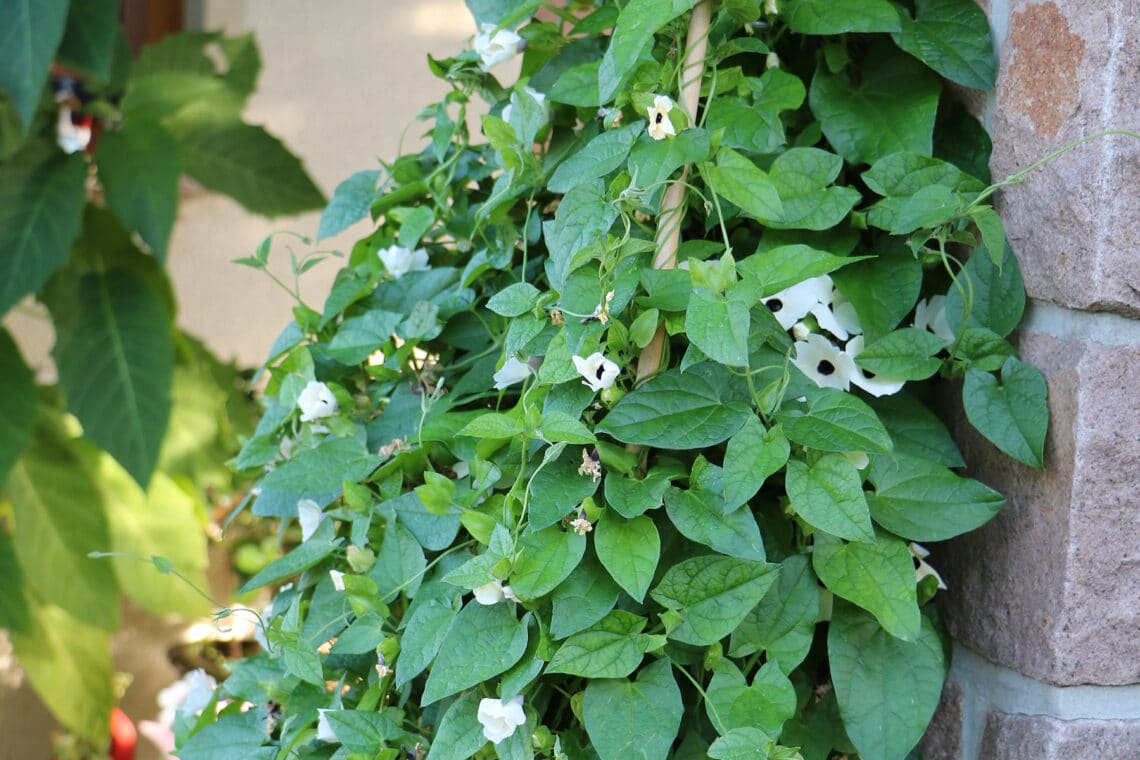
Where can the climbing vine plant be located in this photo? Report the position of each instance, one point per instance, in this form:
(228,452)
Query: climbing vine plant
(614,437)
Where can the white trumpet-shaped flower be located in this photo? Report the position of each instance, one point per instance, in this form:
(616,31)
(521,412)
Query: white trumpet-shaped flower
(660,126)
(493,593)
(71,137)
(930,314)
(499,718)
(513,371)
(325,730)
(337,579)
(496,46)
(316,401)
(309,514)
(598,371)
(794,303)
(399,261)
(922,569)
(824,363)
(836,314)
(876,385)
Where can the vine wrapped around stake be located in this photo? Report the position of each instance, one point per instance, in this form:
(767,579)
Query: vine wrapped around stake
(622,447)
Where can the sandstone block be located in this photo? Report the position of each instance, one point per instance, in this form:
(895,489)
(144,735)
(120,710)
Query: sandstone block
(1051,586)
(1066,71)
(1037,737)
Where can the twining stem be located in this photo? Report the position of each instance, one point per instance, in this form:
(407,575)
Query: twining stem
(668,236)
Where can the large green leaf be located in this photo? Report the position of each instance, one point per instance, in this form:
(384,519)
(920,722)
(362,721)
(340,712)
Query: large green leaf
(752,454)
(1012,414)
(483,642)
(764,705)
(718,324)
(953,38)
(17,404)
(899,176)
(923,501)
(61,516)
(891,108)
(839,16)
(13,599)
(809,201)
(349,203)
(597,158)
(583,216)
(629,550)
(243,161)
(460,734)
(68,661)
(89,38)
(632,34)
(30,32)
(878,577)
(828,494)
(739,181)
(558,488)
(41,208)
(887,688)
(996,292)
(544,560)
(676,410)
(115,355)
(883,290)
(612,648)
(917,430)
(783,624)
(634,720)
(139,167)
(711,594)
(700,516)
(236,736)
(162,522)
(835,421)
(424,632)
(582,599)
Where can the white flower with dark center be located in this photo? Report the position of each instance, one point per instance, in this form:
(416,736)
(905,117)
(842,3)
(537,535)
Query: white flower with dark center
(792,304)
(513,371)
(71,137)
(399,261)
(493,593)
(337,579)
(874,384)
(660,126)
(930,314)
(495,45)
(316,401)
(598,371)
(499,718)
(836,314)
(325,730)
(922,569)
(824,363)
(309,514)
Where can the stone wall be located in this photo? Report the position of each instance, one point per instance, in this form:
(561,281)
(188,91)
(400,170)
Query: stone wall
(1045,600)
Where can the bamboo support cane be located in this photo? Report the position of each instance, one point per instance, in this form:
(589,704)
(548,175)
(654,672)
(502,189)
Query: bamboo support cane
(668,236)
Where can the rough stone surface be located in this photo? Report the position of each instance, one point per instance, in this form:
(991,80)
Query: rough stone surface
(943,738)
(1037,737)
(1066,71)
(1051,586)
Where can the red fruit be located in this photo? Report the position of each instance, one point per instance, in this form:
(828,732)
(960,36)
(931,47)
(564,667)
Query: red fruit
(124,737)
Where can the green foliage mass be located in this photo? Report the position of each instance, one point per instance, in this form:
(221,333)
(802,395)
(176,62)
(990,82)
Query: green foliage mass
(642,510)
(118,456)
